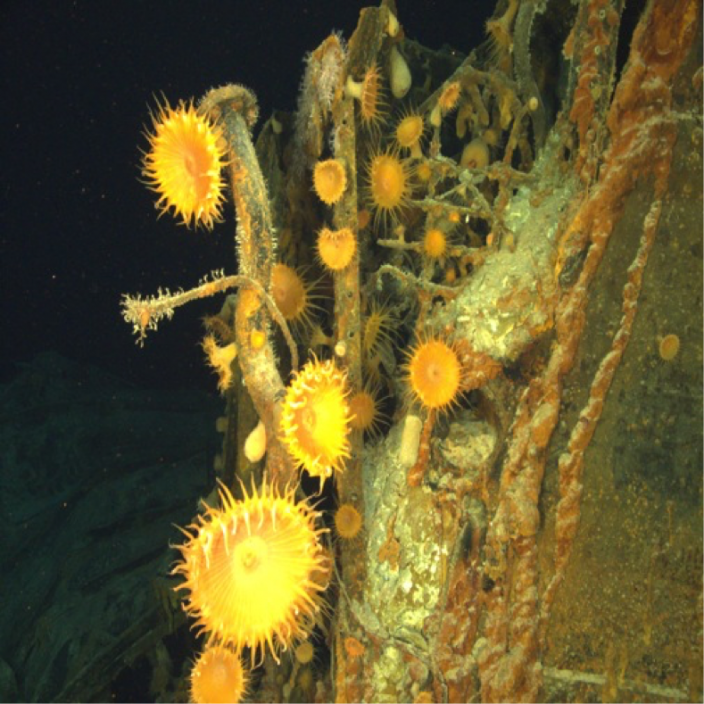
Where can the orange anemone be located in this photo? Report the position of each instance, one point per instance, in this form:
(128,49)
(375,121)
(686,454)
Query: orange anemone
(336,248)
(292,295)
(369,93)
(329,180)
(348,521)
(254,570)
(184,163)
(434,374)
(217,676)
(315,419)
(388,185)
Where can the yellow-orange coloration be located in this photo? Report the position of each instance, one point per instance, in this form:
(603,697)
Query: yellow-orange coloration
(348,522)
(217,676)
(183,164)
(669,347)
(388,185)
(449,97)
(424,172)
(257,338)
(501,38)
(363,218)
(364,407)
(291,294)
(329,180)
(255,444)
(353,647)
(434,243)
(371,100)
(409,133)
(304,652)
(252,569)
(378,332)
(220,358)
(306,682)
(363,410)
(434,374)
(315,419)
(336,248)
(475,155)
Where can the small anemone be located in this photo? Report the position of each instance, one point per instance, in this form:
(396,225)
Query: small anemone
(388,186)
(336,248)
(348,522)
(293,295)
(434,373)
(329,180)
(218,676)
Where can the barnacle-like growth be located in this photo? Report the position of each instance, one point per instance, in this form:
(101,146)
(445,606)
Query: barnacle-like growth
(252,569)
(329,180)
(434,374)
(315,419)
(336,248)
(184,163)
(218,676)
(388,185)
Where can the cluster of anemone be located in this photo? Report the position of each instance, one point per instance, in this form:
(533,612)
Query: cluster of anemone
(254,571)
